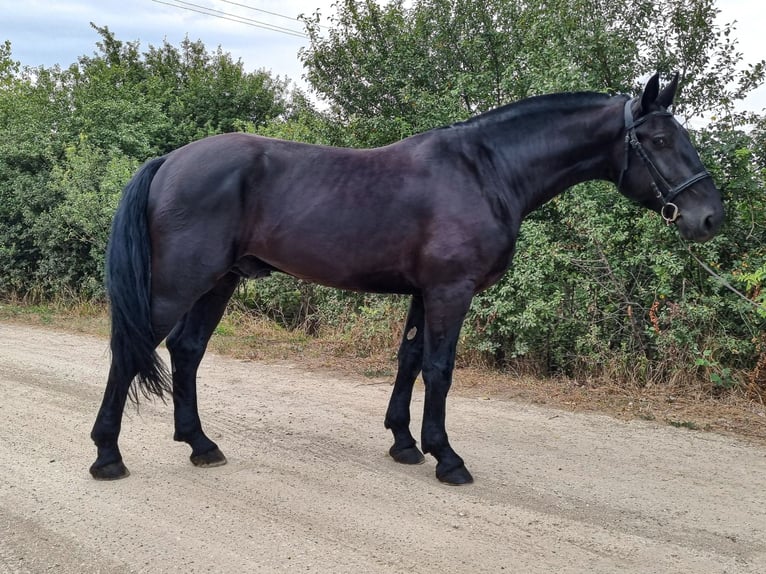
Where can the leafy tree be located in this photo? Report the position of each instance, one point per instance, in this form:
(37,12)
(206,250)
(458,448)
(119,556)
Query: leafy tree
(149,104)
(443,60)
(70,138)
(71,235)
(410,69)
(30,110)
(110,104)
(204,93)
(389,71)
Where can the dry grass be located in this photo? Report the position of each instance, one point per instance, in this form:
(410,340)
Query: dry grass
(361,353)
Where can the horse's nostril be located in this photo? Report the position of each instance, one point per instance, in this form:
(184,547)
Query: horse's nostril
(712,222)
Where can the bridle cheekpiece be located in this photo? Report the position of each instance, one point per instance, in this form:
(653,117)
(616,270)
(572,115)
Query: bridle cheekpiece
(664,191)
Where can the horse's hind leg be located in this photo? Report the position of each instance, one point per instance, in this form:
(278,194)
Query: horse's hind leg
(186,344)
(166,312)
(106,430)
(410,358)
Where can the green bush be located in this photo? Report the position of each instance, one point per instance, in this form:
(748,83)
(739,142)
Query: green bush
(598,287)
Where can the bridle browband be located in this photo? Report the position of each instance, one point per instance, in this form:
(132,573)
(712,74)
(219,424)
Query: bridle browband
(665,192)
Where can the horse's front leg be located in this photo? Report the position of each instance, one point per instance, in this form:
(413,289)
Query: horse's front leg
(445,310)
(410,358)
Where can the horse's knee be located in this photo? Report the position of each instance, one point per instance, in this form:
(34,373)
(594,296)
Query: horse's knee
(183,349)
(437,373)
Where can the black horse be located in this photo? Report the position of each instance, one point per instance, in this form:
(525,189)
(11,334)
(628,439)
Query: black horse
(434,216)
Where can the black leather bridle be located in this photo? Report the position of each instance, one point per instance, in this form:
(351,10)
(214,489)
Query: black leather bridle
(666,192)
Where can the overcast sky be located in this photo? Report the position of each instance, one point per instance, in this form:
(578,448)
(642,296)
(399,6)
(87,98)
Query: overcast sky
(48,32)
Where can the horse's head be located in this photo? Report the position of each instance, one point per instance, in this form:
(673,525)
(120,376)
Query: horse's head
(661,169)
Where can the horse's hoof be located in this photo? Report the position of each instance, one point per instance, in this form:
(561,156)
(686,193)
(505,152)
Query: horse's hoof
(410,455)
(111,471)
(455,477)
(208,459)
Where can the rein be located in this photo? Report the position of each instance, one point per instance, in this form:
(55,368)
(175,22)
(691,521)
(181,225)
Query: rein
(665,192)
(721,280)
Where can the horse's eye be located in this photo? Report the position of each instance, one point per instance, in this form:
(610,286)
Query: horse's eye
(660,141)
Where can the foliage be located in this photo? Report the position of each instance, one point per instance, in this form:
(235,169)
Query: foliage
(599,288)
(388,71)
(29,144)
(72,234)
(71,138)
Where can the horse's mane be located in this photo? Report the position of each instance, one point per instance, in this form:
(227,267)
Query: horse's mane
(532,107)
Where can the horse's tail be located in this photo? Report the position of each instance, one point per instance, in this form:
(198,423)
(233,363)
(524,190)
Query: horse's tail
(128,284)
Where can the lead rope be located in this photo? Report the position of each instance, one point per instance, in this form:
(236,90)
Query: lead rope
(720,279)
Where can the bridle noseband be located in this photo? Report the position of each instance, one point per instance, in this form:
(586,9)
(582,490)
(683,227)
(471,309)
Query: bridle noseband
(666,192)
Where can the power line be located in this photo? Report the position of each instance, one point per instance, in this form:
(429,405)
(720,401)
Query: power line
(198,8)
(278,15)
(254,9)
(234,17)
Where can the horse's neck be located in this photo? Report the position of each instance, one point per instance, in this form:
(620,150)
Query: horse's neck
(543,156)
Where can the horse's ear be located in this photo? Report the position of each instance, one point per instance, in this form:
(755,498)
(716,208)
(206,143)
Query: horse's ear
(651,91)
(665,99)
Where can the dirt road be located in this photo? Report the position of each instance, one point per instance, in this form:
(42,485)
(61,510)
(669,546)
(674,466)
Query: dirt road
(309,487)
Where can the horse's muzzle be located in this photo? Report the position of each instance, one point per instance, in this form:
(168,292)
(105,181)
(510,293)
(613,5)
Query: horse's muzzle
(700,225)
